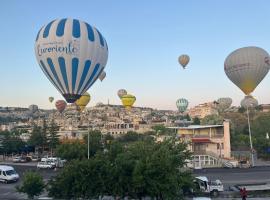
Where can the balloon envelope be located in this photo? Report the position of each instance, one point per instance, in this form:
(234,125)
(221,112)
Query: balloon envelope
(51,99)
(121,93)
(182,104)
(183,60)
(83,101)
(128,100)
(246,67)
(102,76)
(224,103)
(249,102)
(60,105)
(33,108)
(72,54)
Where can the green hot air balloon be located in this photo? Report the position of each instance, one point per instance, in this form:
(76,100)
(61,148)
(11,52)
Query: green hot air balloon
(182,105)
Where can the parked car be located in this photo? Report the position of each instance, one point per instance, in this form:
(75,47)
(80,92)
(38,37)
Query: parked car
(20,159)
(8,174)
(244,164)
(44,165)
(16,159)
(35,158)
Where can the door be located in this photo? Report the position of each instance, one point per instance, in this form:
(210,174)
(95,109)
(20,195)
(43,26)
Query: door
(199,148)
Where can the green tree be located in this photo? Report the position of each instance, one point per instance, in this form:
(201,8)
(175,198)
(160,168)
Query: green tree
(71,151)
(196,121)
(53,137)
(95,142)
(122,171)
(212,120)
(32,185)
(162,130)
(11,142)
(38,137)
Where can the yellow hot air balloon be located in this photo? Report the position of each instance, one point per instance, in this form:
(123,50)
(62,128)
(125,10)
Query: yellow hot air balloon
(183,60)
(246,67)
(128,100)
(83,101)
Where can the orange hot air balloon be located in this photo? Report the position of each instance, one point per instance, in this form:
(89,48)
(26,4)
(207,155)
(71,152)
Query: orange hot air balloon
(183,60)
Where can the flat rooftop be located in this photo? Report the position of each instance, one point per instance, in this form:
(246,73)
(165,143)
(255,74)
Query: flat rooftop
(191,127)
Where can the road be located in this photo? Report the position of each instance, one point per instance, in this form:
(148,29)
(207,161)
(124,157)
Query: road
(8,191)
(234,176)
(229,177)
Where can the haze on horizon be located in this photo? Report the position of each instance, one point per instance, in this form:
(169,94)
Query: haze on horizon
(145,39)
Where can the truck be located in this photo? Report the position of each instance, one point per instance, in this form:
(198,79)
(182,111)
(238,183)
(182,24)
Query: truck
(8,174)
(206,186)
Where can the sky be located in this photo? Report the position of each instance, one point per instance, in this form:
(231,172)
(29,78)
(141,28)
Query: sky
(145,39)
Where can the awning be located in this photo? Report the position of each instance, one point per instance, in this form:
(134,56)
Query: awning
(201,140)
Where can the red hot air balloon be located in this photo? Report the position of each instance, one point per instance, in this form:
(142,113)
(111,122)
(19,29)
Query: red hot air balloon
(60,105)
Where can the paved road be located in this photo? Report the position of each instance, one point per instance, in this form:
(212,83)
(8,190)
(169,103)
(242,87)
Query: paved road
(236,176)
(8,191)
(227,176)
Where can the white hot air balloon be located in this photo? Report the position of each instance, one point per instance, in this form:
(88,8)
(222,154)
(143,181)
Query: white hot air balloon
(249,102)
(121,93)
(102,76)
(72,54)
(223,103)
(246,67)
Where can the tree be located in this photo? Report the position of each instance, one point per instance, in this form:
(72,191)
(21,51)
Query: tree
(212,120)
(53,137)
(32,185)
(123,171)
(38,137)
(71,151)
(11,142)
(162,130)
(95,142)
(196,121)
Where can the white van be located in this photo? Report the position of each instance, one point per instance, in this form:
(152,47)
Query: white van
(8,174)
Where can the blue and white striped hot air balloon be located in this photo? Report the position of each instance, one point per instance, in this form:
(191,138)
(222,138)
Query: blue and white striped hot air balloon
(182,105)
(72,54)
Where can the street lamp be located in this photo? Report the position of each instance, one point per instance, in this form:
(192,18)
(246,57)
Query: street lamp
(267,136)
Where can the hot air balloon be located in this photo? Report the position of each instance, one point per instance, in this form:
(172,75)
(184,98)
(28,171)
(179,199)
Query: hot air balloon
(182,105)
(223,103)
(51,99)
(33,108)
(183,60)
(60,105)
(102,76)
(246,67)
(99,104)
(121,93)
(72,54)
(249,102)
(128,100)
(83,101)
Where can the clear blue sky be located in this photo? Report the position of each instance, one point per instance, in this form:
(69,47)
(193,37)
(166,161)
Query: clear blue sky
(145,39)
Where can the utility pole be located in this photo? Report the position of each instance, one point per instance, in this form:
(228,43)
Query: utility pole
(250,140)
